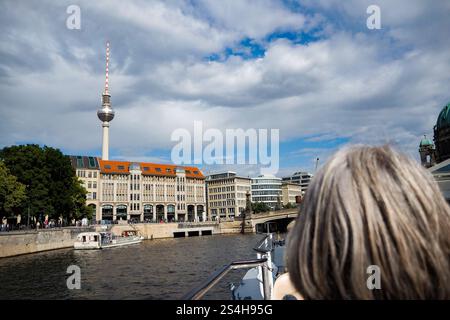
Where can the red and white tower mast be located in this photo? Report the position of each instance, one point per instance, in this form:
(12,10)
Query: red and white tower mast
(106,113)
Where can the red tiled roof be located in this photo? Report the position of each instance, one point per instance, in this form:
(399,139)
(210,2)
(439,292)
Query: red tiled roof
(150,169)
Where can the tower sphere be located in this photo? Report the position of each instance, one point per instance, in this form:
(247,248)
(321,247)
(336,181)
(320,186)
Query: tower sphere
(105,114)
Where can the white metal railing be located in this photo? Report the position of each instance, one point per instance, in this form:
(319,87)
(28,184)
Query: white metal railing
(264,261)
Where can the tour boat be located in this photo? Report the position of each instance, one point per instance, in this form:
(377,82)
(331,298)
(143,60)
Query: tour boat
(100,240)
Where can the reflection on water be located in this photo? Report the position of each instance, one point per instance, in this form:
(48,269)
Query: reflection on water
(154,269)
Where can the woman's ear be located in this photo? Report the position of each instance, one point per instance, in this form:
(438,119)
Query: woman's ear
(283,289)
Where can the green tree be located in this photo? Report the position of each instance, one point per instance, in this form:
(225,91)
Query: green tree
(289,205)
(80,209)
(52,187)
(12,192)
(258,207)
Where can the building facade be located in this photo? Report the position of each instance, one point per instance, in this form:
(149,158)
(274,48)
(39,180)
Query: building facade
(226,195)
(131,191)
(88,171)
(290,193)
(301,178)
(442,135)
(267,189)
(436,157)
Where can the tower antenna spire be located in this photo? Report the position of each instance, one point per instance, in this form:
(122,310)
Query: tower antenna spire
(107,69)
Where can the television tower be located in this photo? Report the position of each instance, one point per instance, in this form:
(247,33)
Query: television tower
(106,113)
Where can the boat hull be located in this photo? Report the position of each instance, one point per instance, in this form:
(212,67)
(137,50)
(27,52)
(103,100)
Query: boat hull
(86,246)
(114,243)
(122,243)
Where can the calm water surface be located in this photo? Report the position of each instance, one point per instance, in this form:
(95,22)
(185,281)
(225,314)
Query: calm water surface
(154,269)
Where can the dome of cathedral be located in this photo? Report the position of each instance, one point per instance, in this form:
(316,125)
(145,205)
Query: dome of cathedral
(443,120)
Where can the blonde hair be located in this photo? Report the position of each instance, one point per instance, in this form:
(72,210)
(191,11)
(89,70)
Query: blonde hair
(371,206)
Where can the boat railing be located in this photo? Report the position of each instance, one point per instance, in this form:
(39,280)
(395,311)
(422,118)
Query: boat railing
(265,245)
(263,250)
(198,292)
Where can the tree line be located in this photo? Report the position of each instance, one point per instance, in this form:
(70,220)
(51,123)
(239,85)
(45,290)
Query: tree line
(40,181)
(259,207)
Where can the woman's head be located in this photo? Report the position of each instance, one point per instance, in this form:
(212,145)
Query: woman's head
(371,206)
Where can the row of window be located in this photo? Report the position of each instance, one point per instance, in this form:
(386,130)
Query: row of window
(92,162)
(266,192)
(222,203)
(135,197)
(179,180)
(91,184)
(220,189)
(265,199)
(109,196)
(267,181)
(243,188)
(86,174)
(149,187)
(223,211)
(266,186)
(91,196)
(224,181)
(149,197)
(221,196)
(134,186)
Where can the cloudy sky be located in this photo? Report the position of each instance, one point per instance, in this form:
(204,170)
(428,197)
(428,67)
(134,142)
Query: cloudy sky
(311,69)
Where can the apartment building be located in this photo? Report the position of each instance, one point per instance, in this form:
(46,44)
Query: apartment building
(226,194)
(133,191)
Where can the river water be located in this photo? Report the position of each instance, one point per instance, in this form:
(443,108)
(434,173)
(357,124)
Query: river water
(154,269)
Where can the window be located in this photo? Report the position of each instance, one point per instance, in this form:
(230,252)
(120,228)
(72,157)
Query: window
(168,170)
(195,172)
(146,168)
(91,162)
(158,169)
(94,195)
(121,167)
(79,162)
(107,166)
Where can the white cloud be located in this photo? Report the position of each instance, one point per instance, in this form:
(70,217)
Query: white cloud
(366,86)
(254,19)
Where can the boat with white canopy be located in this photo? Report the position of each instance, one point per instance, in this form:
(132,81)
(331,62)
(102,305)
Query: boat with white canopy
(101,240)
